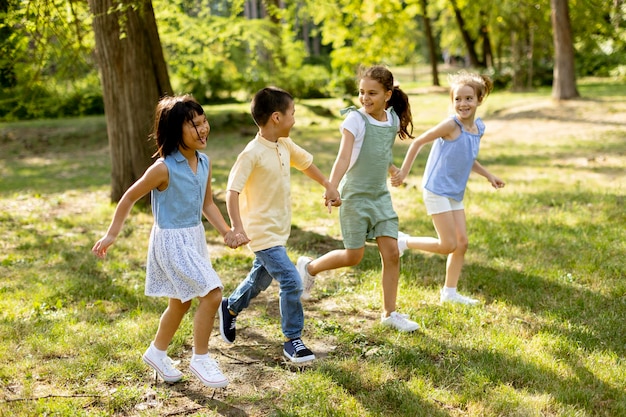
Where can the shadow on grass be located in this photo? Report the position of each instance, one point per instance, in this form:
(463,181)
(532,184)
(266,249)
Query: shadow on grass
(200,397)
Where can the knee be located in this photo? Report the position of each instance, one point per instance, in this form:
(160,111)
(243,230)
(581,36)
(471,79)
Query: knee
(213,298)
(353,258)
(179,307)
(462,245)
(448,247)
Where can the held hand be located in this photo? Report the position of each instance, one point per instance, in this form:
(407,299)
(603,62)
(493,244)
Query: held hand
(101,246)
(235,238)
(332,198)
(230,239)
(332,203)
(242,239)
(397,179)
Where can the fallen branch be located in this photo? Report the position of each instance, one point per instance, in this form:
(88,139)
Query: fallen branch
(10,400)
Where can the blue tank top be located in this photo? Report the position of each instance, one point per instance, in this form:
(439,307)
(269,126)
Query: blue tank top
(450,162)
(180,204)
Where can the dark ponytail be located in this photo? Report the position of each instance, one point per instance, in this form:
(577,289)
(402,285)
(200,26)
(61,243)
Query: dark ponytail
(400,102)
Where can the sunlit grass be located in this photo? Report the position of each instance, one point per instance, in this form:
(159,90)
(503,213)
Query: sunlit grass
(546,259)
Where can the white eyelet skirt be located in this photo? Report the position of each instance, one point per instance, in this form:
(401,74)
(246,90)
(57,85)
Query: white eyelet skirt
(178,264)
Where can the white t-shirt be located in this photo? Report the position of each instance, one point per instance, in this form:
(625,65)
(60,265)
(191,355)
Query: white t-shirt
(356,125)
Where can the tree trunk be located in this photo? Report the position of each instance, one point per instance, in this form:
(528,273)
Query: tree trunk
(134,77)
(432,46)
(484,30)
(564,83)
(469,42)
(8,78)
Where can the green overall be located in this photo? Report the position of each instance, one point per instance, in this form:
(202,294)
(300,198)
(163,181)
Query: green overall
(366,211)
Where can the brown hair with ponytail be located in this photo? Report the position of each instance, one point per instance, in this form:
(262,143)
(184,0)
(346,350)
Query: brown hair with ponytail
(399,100)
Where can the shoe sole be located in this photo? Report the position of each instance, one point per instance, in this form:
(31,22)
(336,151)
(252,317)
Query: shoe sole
(159,373)
(299,360)
(402,330)
(458,302)
(218,384)
(306,295)
(222,333)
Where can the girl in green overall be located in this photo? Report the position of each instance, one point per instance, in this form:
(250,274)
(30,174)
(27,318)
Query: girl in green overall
(360,173)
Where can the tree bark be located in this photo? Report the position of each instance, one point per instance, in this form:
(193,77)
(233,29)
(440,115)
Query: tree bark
(564,83)
(133,76)
(432,46)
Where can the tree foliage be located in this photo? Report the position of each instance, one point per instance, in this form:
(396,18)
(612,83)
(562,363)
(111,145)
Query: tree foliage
(47,47)
(218,49)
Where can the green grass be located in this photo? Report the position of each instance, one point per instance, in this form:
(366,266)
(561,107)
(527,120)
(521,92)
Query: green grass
(546,258)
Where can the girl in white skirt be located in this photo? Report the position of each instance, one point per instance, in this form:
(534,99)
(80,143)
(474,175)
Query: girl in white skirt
(178,264)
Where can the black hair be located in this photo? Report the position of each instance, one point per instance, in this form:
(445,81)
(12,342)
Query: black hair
(267,101)
(399,100)
(170,115)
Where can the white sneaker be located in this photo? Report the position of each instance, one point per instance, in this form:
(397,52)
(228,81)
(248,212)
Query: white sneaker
(457,298)
(208,372)
(164,366)
(402,242)
(308,280)
(399,322)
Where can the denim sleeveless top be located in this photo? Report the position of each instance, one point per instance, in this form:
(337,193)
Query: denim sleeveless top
(180,204)
(450,162)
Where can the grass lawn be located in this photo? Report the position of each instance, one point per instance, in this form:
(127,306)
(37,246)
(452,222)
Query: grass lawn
(547,260)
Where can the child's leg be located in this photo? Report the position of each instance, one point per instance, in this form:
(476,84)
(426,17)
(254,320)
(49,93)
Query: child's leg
(390,258)
(280,267)
(445,243)
(257,280)
(456,259)
(338,258)
(170,320)
(203,320)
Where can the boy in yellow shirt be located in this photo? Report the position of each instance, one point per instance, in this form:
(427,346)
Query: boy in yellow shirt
(258,200)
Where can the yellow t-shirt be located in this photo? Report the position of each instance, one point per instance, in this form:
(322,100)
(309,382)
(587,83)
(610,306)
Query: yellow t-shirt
(261,175)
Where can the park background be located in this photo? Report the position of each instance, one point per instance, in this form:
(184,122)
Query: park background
(546,253)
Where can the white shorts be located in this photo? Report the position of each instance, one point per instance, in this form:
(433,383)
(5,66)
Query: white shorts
(436,204)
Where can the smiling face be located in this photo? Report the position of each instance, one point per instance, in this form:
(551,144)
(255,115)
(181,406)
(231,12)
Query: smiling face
(465,102)
(373,97)
(196,132)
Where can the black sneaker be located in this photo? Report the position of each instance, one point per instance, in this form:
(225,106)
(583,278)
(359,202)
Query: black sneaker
(296,351)
(227,322)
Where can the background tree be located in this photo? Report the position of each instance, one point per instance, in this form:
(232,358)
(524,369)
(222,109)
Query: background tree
(134,77)
(433,54)
(564,86)
(225,50)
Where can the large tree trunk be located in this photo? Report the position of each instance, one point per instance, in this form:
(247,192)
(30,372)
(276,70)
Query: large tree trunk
(432,46)
(134,77)
(564,83)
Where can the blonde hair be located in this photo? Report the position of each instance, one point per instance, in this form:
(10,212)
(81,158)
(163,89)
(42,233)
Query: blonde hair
(480,83)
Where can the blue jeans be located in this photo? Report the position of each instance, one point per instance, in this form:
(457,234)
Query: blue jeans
(273,263)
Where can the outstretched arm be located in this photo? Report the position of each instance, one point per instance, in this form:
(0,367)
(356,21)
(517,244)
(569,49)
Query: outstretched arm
(442,130)
(481,170)
(156,176)
(331,195)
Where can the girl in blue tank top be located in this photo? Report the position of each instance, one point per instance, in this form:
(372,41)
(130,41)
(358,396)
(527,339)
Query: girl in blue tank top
(178,264)
(456,141)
